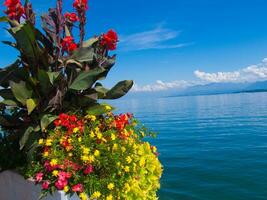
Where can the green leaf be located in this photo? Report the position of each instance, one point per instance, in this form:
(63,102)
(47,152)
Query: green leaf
(101,91)
(84,54)
(3,19)
(86,79)
(99,109)
(6,93)
(7,73)
(47,119)
(31,105)
(21,91)
(90,42)
(44,81)
(53,76)
(108,63)
(25,137)
(9,102)
(119,90)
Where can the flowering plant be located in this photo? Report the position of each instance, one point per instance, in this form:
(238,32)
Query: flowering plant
(54,73)
(54,128)
(100,156)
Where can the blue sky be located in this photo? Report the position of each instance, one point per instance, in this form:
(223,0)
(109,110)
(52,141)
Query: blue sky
(176,43)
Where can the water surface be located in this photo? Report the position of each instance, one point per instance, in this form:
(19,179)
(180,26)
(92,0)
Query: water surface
(212,147)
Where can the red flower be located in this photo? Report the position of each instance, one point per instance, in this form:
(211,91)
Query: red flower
(89,169)
(48,166)
(77,188)
(14,9)
(109,40)
(39,177)
(61,183)
(45,185)
(80,5)
(72,17)
(68,44)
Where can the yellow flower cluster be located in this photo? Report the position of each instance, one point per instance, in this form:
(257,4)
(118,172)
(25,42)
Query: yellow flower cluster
(108,166)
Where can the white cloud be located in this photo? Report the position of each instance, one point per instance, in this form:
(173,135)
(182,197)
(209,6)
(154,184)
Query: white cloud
(251,73)
(151,39)
(160,86)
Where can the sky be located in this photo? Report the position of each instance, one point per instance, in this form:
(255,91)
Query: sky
(176,43)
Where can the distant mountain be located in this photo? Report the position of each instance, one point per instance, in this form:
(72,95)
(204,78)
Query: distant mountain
(223,88)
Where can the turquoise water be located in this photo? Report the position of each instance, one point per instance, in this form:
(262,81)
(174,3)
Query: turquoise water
(212,147)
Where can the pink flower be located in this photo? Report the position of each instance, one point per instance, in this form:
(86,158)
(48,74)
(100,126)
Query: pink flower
(63,175)
(77,188)
(48,166)
(60,184)
(39,177)
(45,185)
(89,169)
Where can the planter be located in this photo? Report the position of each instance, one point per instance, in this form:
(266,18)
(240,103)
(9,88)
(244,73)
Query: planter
(14,187)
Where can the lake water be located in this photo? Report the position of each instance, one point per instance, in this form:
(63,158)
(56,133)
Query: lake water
(212,147)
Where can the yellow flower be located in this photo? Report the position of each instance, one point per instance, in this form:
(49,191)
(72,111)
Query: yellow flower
(154,149)
(69,140)
(115,147)
(111,186)
(127,187)
(85,158)
(41,141)
(90,117)
(86,150)
(99,135)
(45,154)
(55,172)
(76,130)
(142,162)
(126,168)
(123,149)
(79,139)
(96,129)
(53,162)
(109,197)
(92,135)
(66,188)
(91,159)
(96,195)
(48,142)
(83,196)
(129,159)
(70,154)
(113,136)
(96,153)
(108,108)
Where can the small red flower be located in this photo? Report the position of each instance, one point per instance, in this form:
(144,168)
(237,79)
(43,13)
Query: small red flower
(39,177)
(77,188)
(89,169)
(14,9)
(80,5)
(45,185)
(72,17)
(68,44)
(109,40)
(61,183)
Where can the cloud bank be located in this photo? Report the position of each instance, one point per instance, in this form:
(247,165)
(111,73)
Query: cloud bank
(250,73)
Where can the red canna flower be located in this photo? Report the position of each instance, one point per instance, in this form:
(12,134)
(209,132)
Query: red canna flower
(77,188)
(109,40)
(80,5)
(45,185)
(68,44)
(14,9)
(72,17)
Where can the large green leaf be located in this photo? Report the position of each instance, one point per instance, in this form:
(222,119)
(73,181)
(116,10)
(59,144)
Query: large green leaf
(44,81)
(21,91)
(25,136)
(46,120)
(9,102)
(6,93)
(7,73)
(84,54)
(31,105)
(53,76)
(119,90)
(107,64)
(86,79)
